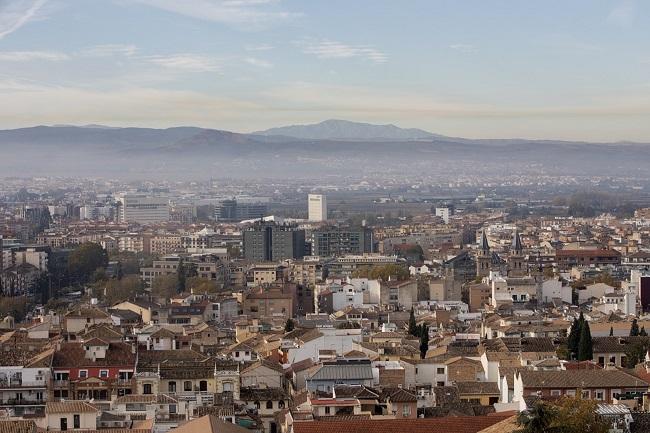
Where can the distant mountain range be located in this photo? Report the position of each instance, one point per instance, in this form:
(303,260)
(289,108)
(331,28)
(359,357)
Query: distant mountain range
(330,147)
(345,130)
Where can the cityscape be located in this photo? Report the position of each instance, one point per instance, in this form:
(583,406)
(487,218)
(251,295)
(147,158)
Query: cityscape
(274,216)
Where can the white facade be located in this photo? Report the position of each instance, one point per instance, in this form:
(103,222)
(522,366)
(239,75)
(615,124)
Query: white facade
(143,209)
(317,207)
(346,295)
(553,289)
(444,213)
(340,340)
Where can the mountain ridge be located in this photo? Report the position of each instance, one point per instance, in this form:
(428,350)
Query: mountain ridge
(193,151)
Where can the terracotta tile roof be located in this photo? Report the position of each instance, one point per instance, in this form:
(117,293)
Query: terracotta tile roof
(581,379)
(209,424)
(262,394)
(477,388)
(19,426)
(508,425)
(73,355)
(93,313)
(146,398)
(616,344)
(69,406)
(356,391)
(398,395)
(461,424)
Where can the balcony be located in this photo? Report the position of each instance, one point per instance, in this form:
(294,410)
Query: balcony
(61,383)
(18,383)
(22,402)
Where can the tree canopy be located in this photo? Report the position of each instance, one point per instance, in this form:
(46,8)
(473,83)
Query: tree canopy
(201,286)
(382,272)
(85,260)
(567,415)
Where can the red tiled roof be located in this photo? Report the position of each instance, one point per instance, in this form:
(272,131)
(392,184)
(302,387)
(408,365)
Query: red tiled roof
(587,253)
(462,424)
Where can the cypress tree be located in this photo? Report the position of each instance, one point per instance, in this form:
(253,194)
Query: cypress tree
(180,284)
(643,332)
(585,347)
(634,329)
(574,338)
(413,327)
(611,331)
(424,341)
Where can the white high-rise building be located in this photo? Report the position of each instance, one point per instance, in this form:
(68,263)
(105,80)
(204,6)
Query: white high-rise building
(317,207)
(143,209)
(444,213)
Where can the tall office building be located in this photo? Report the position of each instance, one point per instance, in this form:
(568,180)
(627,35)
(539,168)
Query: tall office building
(232,210)
(142,208)
(317,207)
(268,241)
(340,241)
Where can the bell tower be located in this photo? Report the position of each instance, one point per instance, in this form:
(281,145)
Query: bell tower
(484,258)
(516,259)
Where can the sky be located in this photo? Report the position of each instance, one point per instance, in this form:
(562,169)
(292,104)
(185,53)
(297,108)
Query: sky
(569,69)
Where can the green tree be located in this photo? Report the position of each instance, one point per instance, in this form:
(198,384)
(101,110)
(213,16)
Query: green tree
(202,286)
(289,326)
(574,338)
(181,277)
(585,347)
(642,332)
(115,290)
(382,272)
(424,341)
(634,328)
(14,306)
(538,419)
(575,415)
(412,323)
(85,260)
(567,415)
(164,286)
(635,353)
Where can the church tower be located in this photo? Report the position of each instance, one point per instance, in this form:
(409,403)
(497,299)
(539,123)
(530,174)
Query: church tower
(516,260)
(484,259)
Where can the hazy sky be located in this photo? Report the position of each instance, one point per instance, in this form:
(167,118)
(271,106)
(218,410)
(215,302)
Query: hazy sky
(474,68)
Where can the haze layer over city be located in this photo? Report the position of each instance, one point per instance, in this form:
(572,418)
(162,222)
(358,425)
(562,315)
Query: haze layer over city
(285,216)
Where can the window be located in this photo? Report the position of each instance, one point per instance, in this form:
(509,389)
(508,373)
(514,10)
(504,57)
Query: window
(586,394)
(327,410)
(440,370)
(556,392)
(103,373)
(600,394)
(227,387)
(146,388)
(269,404)
(406,410)
(171,386)
(571,392)
(187,385)
(257,405)
(281,404)
(76,421)
(63,424)
(83,374)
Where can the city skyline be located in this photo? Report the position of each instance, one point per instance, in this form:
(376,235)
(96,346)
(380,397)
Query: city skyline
(479,70)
